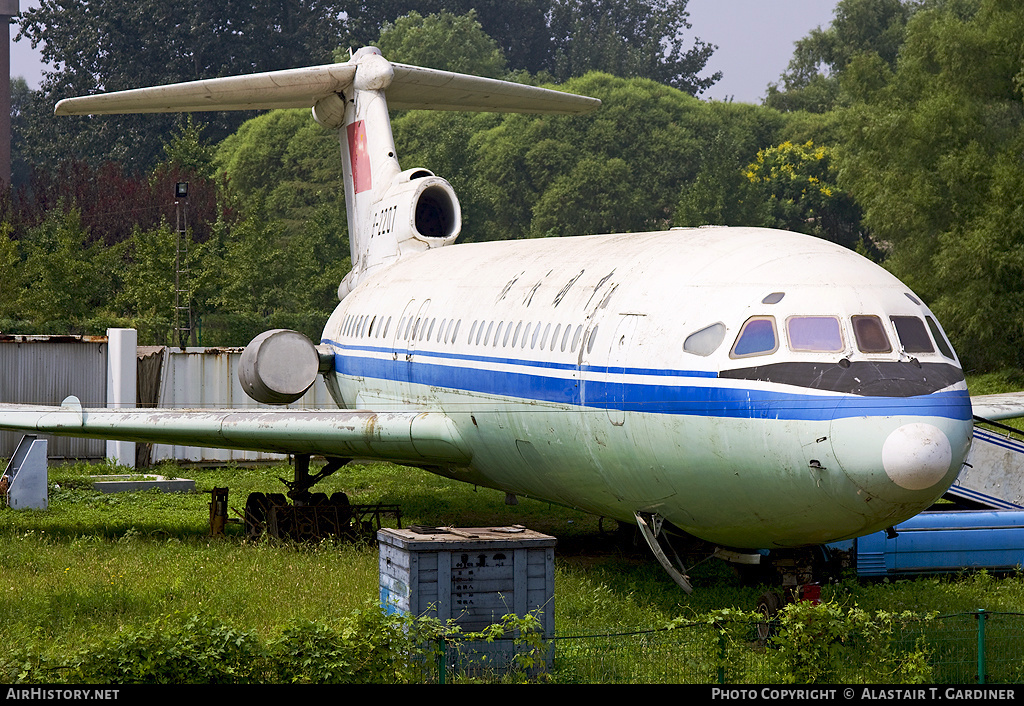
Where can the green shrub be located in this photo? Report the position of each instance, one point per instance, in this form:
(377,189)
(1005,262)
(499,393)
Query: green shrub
(824,642)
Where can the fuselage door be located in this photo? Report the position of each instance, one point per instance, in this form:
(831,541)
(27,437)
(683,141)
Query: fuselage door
(618,396)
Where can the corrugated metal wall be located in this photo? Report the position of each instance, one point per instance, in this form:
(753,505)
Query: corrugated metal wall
(45,370)
(208,378)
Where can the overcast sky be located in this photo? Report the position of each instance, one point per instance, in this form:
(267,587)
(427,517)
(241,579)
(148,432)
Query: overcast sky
(754,39)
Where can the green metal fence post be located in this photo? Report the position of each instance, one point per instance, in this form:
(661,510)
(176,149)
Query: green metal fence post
(442,660)
(981,645)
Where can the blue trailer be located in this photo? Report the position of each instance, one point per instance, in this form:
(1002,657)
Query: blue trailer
(942,542)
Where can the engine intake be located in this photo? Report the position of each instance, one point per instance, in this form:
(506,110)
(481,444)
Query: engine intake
(278,366)
(421,208)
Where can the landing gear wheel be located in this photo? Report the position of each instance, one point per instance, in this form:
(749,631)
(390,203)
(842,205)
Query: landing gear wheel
(255,515)
(768,606)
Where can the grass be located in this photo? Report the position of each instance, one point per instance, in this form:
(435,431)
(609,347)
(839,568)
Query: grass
(93,564)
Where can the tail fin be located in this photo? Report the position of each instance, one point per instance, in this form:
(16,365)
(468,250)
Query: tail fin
(390,212)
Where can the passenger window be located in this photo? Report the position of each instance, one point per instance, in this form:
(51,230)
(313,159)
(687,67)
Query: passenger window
(940,338)
(814,333)
(576,337)
(706,341)
(870,335)
(757,337)
(912,334)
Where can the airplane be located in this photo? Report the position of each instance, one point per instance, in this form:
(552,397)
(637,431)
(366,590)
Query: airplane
(756,389)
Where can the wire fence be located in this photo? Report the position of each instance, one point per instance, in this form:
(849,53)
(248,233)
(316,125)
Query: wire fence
(978,647)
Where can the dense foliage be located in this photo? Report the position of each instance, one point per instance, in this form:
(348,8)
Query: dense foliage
(896,130)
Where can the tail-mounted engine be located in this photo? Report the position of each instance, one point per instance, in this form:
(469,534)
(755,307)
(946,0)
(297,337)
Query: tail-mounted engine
(420,209)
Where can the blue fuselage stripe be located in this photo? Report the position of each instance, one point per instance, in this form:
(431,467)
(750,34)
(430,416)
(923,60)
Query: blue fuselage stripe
(646,390)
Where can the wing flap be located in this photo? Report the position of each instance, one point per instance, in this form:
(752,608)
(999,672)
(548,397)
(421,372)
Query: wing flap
(1009,405)
(403,437)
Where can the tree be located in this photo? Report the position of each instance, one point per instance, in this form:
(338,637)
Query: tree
(66,277)
(567,38)
(146,292)
(119,44)
(443,41)
(284,161)
(628,38)
(530,175)
(932,154)
(518,27)
(811,82)
(797,183)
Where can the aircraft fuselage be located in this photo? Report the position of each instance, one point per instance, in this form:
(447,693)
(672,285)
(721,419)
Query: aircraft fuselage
(756,388)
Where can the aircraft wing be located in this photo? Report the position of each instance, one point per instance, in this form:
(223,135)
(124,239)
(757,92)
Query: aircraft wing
(1007,405)
(411,87)
(417,438)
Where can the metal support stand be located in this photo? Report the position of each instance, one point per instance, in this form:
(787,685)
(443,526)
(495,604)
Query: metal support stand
(26,475)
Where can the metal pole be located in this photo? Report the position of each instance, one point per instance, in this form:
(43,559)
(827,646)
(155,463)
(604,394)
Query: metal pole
(981,645)
(8,9)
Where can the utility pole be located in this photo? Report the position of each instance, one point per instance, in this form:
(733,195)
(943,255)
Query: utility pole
(182,296)
(8,9)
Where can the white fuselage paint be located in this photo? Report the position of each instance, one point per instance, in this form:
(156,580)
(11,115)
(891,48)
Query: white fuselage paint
(561,363)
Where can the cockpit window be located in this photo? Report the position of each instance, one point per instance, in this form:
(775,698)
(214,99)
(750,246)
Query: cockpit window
(870,335)
(706,341)
(757,337)
(814,333)
(940,339)
(912,334)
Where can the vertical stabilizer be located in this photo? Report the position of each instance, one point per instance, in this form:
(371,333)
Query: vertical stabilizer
(368,158)
(391,213)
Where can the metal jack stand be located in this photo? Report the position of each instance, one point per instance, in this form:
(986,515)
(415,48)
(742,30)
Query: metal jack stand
(26,476)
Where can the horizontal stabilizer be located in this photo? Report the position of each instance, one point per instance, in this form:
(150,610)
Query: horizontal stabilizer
(425,438)
(1009,405)
(412,87)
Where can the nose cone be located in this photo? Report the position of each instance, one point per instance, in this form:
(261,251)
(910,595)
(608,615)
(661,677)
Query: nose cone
(897,465)
(917,456)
